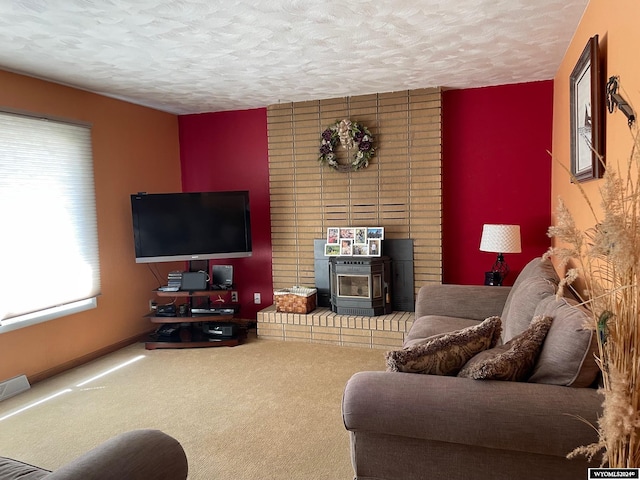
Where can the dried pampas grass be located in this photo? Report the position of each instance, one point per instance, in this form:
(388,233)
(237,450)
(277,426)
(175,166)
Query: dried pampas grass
(606,260)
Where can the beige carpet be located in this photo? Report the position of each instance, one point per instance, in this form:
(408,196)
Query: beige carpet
(262,410)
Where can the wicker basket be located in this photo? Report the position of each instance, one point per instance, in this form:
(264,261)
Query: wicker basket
(295,300)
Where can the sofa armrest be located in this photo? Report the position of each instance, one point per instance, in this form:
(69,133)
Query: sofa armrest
(543,419)
(134,455)
(475,302)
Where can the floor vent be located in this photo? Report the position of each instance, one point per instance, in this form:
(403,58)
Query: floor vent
(13,386)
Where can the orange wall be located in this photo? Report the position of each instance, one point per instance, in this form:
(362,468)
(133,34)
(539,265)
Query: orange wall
(134,149)
(616,24)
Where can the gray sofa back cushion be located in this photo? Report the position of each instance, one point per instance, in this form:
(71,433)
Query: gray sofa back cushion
(538,268)
(517,315)
(568,354)
(537,281)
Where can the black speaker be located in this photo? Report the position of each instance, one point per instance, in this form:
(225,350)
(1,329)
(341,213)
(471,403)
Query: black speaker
(194,281)
(222,275)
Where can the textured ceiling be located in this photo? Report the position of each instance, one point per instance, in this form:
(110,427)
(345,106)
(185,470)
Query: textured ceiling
(191,56)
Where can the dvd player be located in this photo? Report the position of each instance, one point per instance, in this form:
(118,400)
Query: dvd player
(220,330)
(212,311)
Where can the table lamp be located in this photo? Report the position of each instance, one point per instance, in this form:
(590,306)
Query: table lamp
(499,239)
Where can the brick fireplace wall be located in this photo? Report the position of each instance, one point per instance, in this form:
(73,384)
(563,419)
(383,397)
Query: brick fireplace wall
(400,190)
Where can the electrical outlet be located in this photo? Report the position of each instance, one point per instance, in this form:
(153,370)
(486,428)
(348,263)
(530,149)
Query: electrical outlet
(256,298)
(234,296)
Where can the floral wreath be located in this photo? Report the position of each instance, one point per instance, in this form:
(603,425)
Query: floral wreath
(350,135)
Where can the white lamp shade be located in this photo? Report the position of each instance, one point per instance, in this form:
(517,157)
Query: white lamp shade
(500,239)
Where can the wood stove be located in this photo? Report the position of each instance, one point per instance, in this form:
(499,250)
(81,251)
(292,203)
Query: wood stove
(360,285)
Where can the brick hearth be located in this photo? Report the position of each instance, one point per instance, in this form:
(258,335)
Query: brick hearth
(324,326)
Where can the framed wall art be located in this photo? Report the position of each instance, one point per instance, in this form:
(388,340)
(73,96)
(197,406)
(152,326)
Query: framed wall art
(332,249)
(346,247)
(587,122)
(375,247)
(333,234)
(354,241)
(360,249)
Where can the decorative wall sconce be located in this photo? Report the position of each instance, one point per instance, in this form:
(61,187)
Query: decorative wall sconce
(614,99)
(499,239)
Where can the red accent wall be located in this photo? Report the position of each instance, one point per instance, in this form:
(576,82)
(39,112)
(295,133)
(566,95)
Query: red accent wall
(496,169)
(229,151)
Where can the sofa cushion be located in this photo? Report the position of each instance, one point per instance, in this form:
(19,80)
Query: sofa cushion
(13,469)
(568,354)
(523,301)
(536,268)
(432,325)
(447,353)
(512,361)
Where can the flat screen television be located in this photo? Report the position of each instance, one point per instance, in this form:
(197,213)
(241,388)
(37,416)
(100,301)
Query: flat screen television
(170,227)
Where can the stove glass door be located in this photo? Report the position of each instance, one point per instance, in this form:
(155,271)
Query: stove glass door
(354,286)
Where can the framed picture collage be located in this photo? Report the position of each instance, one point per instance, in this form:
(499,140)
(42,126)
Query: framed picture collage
(354,241)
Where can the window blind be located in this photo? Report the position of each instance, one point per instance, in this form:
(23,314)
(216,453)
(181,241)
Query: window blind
(48,228)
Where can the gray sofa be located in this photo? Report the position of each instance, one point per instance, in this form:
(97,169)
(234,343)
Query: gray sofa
(135,455)
(407,426)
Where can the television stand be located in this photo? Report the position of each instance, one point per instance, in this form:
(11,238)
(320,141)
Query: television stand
(188,331)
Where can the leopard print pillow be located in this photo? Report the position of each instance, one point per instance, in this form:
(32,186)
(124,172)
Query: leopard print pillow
(512,361)
(446,354)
